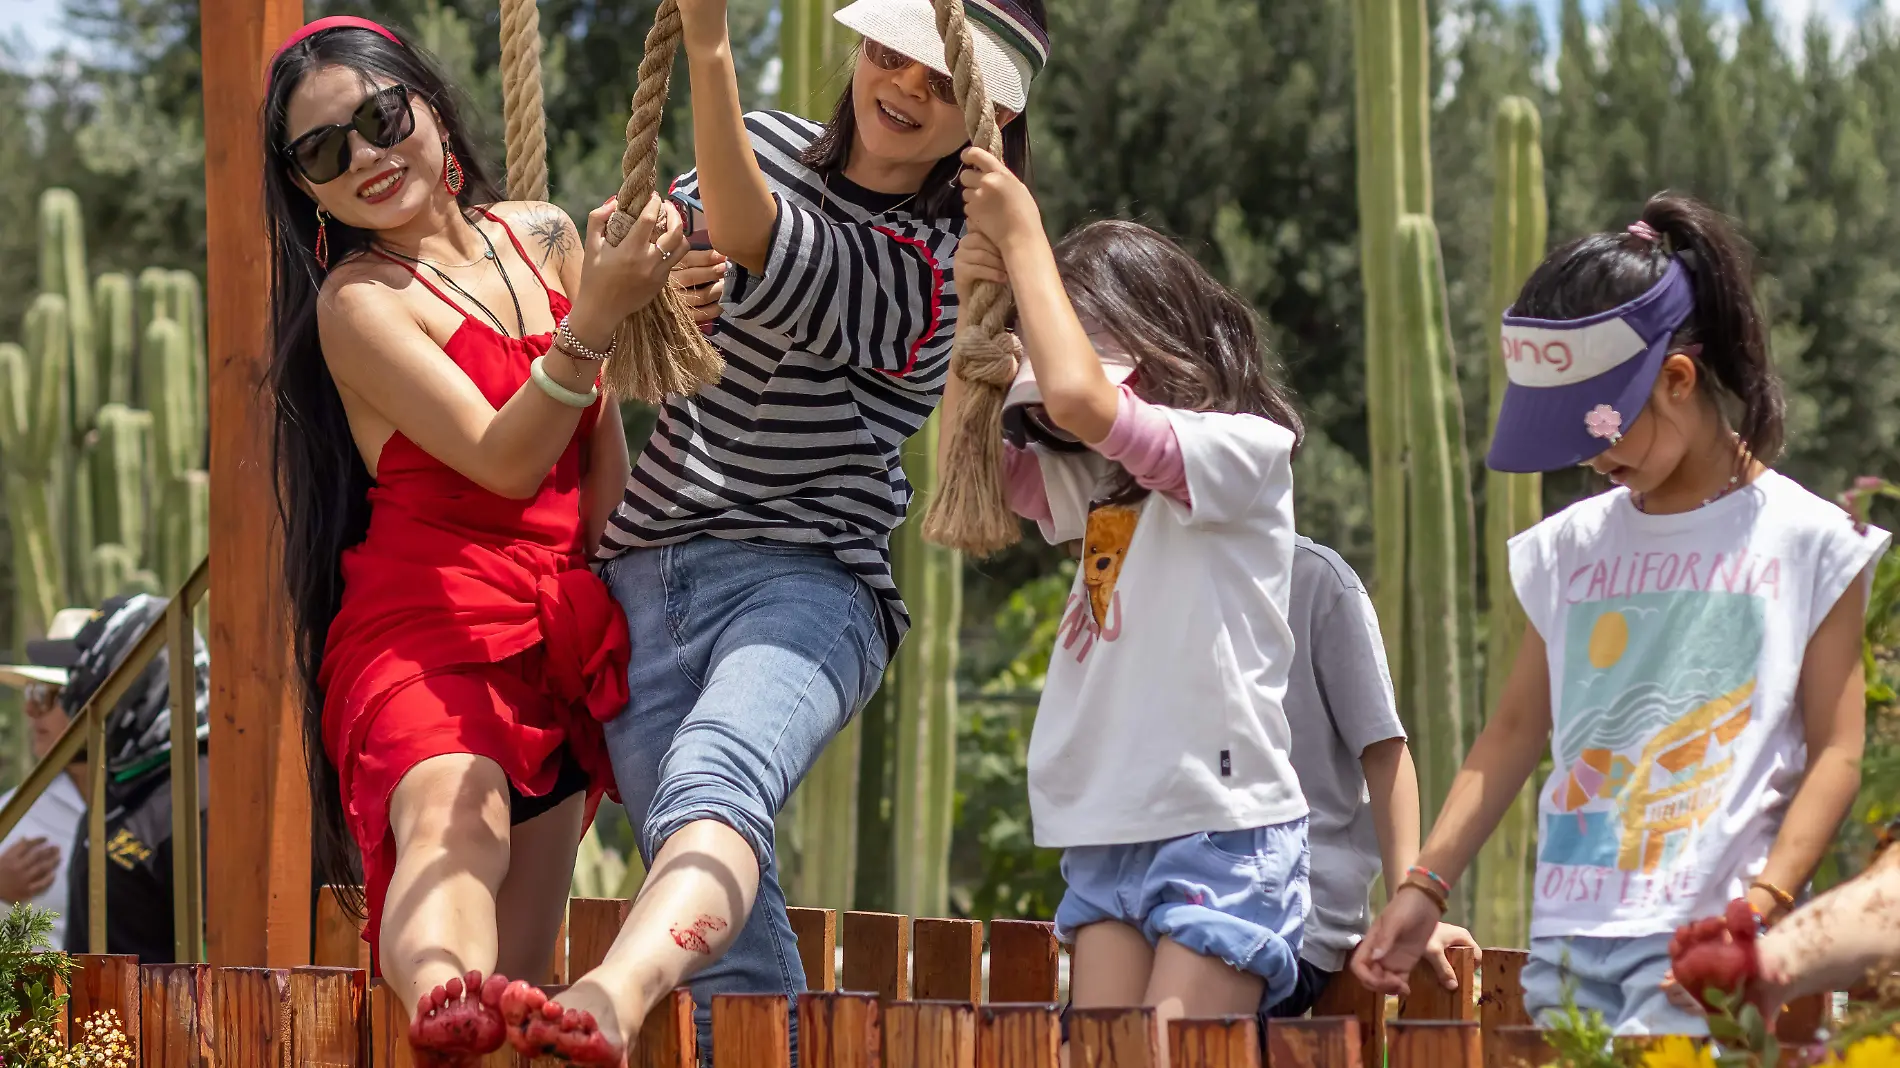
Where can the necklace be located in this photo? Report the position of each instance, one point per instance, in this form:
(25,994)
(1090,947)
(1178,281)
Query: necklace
(824,196)
(1743,461)
(488,253)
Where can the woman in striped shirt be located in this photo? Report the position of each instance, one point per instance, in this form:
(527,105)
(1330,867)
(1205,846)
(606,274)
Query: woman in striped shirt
(751,551)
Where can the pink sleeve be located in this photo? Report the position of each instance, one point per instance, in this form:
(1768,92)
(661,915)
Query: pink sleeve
(1143,442)
(1022,484)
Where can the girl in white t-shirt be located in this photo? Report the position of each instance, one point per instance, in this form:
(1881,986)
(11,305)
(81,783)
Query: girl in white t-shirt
(1147,428)
(1693,661)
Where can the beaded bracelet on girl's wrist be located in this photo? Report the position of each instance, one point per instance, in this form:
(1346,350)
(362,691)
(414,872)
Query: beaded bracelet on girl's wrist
(568,343)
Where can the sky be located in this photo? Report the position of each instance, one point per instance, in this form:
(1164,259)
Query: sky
(36,23)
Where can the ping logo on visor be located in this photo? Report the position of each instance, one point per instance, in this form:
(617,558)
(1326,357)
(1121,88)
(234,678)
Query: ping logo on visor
(1539,357)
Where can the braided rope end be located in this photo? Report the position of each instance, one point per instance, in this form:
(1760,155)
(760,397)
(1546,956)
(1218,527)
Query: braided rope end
(660,353)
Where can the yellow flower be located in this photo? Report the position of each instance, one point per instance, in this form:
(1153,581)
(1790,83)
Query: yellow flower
(1676,1051)
(1880,1051)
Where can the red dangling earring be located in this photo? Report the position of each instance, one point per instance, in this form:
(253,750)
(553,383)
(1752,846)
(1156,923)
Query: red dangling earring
(323,242)
(451,171)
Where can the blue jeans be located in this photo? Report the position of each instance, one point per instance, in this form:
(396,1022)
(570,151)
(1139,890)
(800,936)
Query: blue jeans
(1618,977)
(748,657)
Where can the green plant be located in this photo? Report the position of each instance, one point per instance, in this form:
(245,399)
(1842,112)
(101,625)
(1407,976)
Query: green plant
(30,1002)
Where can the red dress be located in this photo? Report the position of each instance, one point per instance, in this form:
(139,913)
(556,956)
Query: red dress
(470,622)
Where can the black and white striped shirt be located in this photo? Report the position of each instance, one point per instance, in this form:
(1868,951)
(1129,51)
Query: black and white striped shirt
(834,355)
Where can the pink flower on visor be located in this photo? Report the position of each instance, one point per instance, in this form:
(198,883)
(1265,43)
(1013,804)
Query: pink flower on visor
(1604,422)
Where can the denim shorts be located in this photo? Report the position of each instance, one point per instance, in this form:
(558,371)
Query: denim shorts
(1618,977)
(1240,896)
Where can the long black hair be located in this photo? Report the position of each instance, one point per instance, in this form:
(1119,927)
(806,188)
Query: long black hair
(941,197)
(1599,272)
(322,486)
(1197,342)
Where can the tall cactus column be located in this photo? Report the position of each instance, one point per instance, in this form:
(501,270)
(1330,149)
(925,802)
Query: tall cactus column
(32,403)
(1519,224)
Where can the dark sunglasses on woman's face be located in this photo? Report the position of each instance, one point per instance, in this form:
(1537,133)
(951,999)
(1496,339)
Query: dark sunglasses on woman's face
(384,119)
(942,86)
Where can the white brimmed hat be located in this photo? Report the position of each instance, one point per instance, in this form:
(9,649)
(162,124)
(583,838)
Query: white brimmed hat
(1010,48)
(54,655)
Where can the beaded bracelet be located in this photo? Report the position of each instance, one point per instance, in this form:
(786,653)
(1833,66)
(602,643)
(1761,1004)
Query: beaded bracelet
(558,391)
(564,337)
(1438,880)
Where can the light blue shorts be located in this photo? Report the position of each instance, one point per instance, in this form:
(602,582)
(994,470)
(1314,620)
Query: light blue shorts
(1240,896)
(1618,977)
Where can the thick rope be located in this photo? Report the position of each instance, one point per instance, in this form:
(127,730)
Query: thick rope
(527,139)
(659,351)
(971,513)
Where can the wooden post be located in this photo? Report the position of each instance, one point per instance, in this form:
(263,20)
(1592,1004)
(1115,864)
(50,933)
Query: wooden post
(839,1031)
(557,969)
(1802,1018)
(817,933)
(105,983)
(751,1031)
(1227,1042)
(338,941)
(331,1014)
(1435,1044)
(1516,1046)
(1429,1000)
(592,925)
(946,960)
(258,847)
(1018,1036)
(1025,961)
(1113,1038)
(175,1023)
(1501,993)
(252,1009)
(389,1028)
(929,1034)
(1346,996)
(1321,1042)
(876,955)
(668,1038)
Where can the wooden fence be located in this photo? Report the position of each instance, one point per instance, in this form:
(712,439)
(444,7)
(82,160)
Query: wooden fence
(907,994)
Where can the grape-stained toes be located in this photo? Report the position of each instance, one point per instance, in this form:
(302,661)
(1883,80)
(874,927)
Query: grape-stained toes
(459,1022)
(540,1027)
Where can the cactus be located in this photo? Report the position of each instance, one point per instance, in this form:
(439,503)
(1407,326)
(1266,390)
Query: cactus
(116,319)
(177,443)
(1512,503)
(63,271)
(116,568)
(187,309)
(32,395)
(812,46)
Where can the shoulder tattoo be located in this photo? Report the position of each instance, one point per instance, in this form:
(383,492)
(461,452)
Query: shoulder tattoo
(551,229)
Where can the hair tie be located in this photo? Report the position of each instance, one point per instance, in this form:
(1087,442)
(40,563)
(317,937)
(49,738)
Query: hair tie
(1642,231)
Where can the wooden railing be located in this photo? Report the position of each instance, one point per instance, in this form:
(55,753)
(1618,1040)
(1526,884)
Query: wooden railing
(171,631)
(907,994)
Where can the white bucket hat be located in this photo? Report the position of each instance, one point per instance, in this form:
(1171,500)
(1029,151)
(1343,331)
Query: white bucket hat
(53,655)
(1010,48)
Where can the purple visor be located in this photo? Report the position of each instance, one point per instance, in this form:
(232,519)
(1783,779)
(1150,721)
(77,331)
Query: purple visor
(1576,385)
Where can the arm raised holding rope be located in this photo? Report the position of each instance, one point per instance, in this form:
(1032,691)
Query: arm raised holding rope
(740,209)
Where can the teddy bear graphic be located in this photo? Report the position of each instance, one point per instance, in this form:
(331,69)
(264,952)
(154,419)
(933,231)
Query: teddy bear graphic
(1111,529)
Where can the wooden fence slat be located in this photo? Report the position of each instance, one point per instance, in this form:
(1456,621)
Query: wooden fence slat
(1113,1038)
(557,970)
(946,960)
(251,1007)
(1429,1000)
(337,941)
(668,1038)
(389,1028)
(876,954)
(751,1031)
(330,1017)
(817,933)
(592,925)
(1501,992)
(1803,1017)
(1516,1045)
(1025,962)
(105,983)
(176,1014)
(1321,1042)
(928,1034)
(1018,1036)
(1435,1044)
(1224,1042)
(1345,995)
(839,1031)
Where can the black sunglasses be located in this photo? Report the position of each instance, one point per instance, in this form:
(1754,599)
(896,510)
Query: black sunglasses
(385,120)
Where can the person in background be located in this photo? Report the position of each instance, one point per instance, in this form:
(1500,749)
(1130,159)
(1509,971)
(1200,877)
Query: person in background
(33,855)
(1355,769)
(138,780)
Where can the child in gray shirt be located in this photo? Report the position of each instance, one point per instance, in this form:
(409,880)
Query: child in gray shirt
(1349,746)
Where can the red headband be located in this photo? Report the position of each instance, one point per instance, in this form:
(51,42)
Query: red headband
(333,22)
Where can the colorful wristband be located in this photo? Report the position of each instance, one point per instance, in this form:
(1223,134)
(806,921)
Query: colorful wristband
(1423,886)
(1437,880)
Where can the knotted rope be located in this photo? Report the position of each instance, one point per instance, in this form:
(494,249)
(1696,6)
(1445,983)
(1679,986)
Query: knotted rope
(659,350)
(527,138)
(971,513)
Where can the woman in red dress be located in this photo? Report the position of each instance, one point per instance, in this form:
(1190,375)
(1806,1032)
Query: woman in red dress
(445,469)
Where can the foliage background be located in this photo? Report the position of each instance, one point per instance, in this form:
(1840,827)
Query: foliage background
(1229,124)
